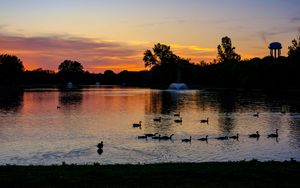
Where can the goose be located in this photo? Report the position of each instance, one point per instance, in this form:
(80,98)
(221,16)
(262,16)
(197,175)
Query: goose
(157,119)
(151,135)
(223,138)
(203,139)
(137,124)
(254,135)
(235,137)
(142,137)
(177,114)
(178,120)
(273,135)
(166,137)
(187,140)
(100,145)
(204,121)
(256,115)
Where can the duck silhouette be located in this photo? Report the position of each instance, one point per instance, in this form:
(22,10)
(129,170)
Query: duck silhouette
(100,145)
(273,135)
(236,137)
(136,125)
(254,135)
(223,138)
(166,137)
(204,121)
(203,139)
(187,139)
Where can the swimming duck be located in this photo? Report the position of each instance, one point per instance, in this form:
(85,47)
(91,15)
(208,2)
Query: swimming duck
(235,137)
(166,137)
(204,121)
(142,137)
(100,145)
(254,135)
(273,135)
(203,139)
(187,140)
(135,125)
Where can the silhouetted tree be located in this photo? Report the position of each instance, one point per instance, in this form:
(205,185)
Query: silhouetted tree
(109,77)
(11,68)
(160,54)
(69,66)
(167,67)
(40,76)
(70,71)
(226,53)
(294,49)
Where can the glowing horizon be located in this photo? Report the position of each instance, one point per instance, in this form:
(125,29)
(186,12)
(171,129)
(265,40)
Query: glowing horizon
(114,34)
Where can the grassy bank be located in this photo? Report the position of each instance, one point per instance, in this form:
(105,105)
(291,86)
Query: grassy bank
(229,174)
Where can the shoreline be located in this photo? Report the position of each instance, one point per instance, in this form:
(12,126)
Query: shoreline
(209,174)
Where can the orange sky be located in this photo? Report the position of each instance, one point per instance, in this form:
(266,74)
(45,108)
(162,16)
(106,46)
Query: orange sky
(114,34)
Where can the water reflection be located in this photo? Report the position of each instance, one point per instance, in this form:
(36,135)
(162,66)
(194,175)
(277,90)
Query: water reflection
(70,98)
(11,100)
(226,122)
(100,151)
(39,133)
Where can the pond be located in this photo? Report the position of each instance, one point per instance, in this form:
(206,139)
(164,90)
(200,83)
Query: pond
(47,126)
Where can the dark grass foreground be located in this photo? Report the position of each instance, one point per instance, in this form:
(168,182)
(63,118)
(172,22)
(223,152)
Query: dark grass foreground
(228,174)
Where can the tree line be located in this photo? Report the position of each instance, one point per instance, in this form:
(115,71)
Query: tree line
(228,70)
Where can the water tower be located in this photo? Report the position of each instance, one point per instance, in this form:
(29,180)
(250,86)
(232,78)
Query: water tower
(275,49)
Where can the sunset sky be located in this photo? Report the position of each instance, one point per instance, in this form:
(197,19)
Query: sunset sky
(113,34)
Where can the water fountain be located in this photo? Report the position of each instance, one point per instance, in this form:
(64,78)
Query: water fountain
(178,86)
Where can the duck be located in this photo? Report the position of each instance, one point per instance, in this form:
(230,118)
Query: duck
(157,119)
(187,140)
(166,137)
(204,121)
(254,135)
(256,115)
(151,135)
(100,145)
(177,114)
(273,135)
(203,139)
(137,124)
(223,138)
(156,137)
(142,137)
(178,120)
(235,137)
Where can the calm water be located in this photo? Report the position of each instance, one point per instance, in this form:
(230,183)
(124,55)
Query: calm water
(34,131)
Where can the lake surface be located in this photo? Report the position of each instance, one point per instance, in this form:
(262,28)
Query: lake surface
(34,131)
